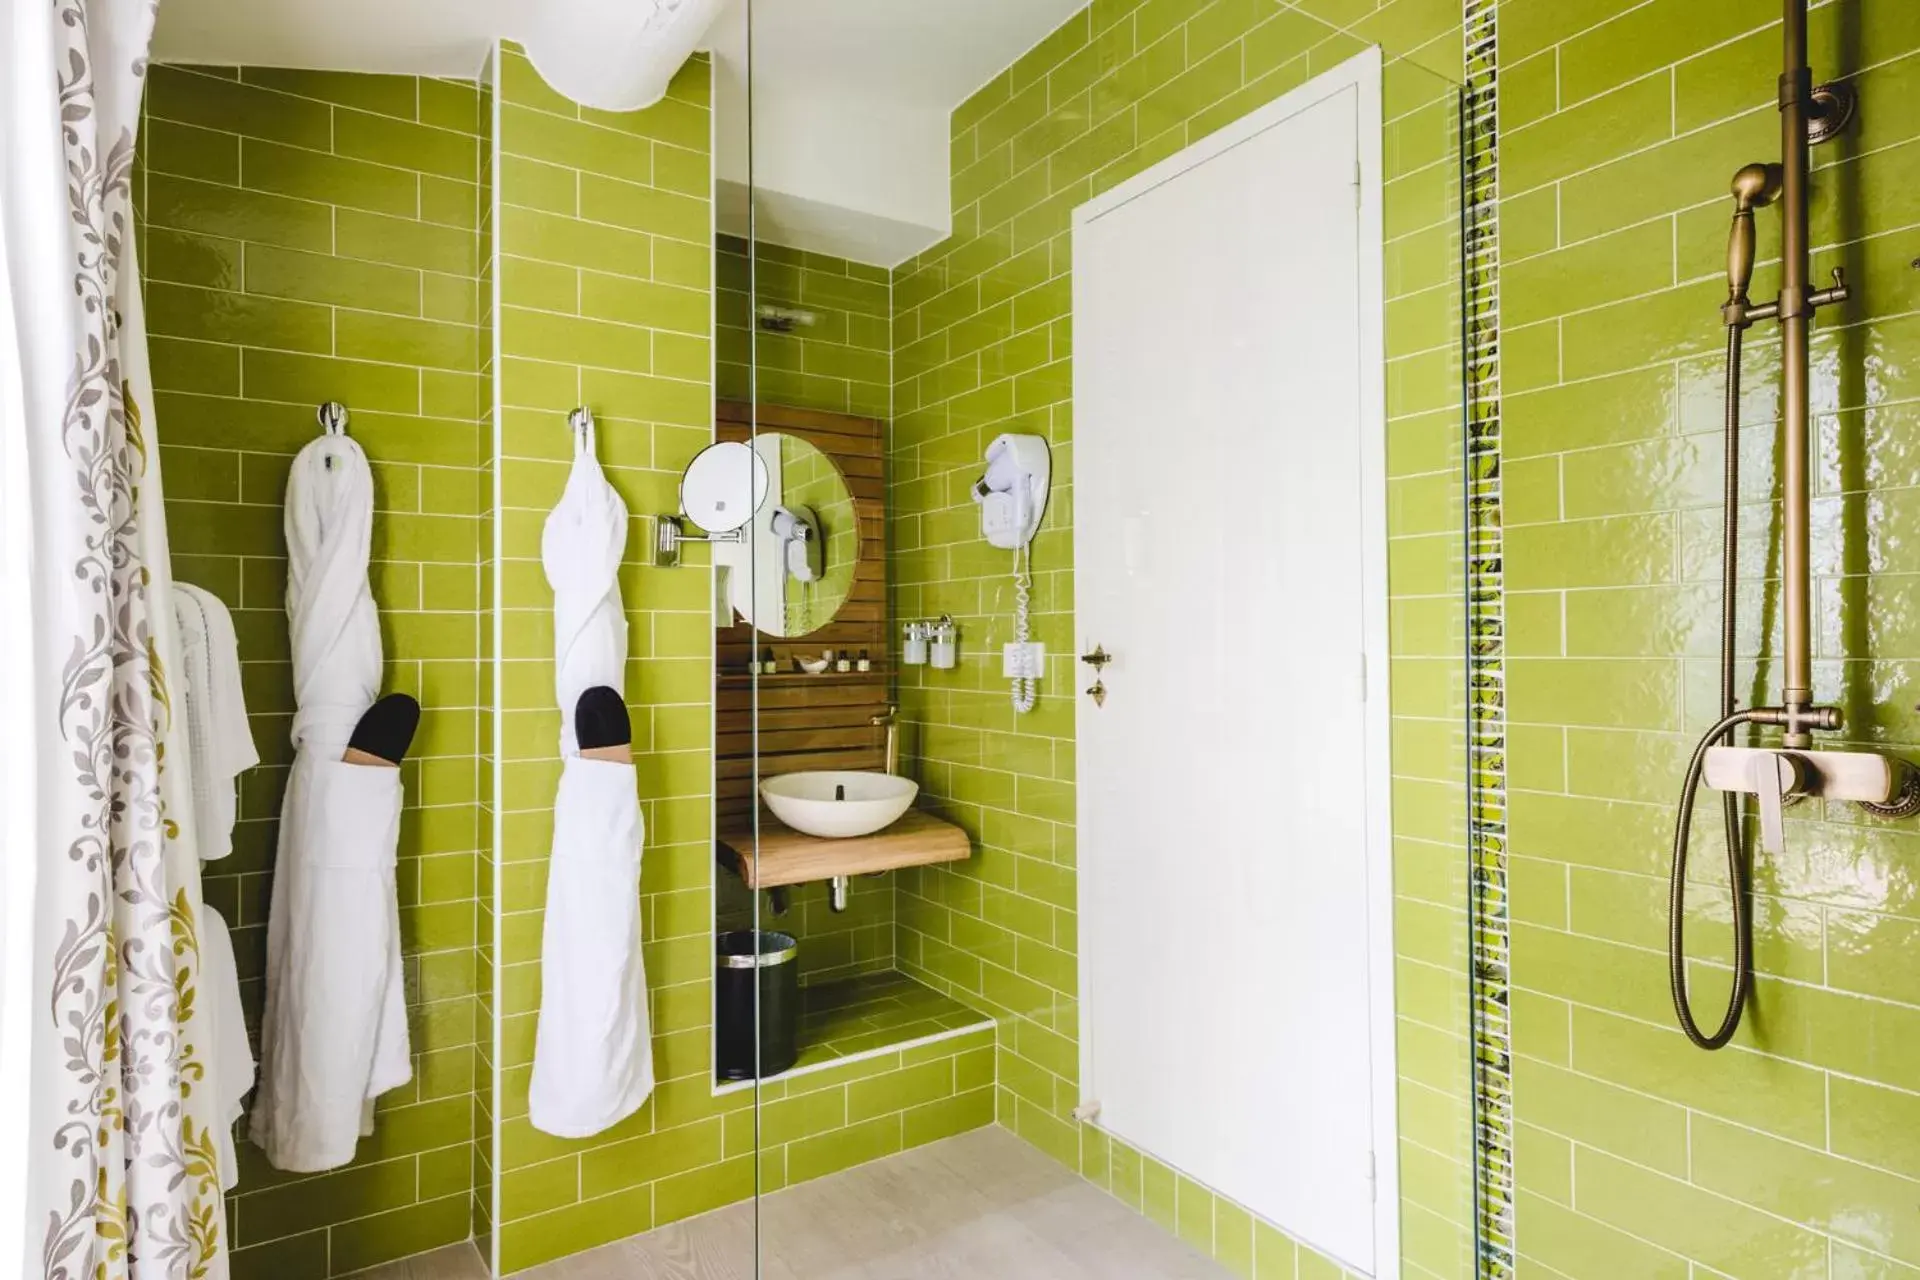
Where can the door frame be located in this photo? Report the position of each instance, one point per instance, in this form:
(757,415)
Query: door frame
(1361,73)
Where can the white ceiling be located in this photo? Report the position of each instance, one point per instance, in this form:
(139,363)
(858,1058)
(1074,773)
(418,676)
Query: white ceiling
(850,97)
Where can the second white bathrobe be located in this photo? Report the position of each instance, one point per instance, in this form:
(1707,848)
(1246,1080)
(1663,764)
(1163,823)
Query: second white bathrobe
(593,1054)
(334,1035)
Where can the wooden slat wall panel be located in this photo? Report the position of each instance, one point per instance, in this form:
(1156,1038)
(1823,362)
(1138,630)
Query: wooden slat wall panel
(808,722)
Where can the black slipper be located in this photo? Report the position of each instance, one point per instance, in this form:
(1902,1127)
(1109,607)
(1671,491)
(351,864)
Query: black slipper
(386,730)
(600,719)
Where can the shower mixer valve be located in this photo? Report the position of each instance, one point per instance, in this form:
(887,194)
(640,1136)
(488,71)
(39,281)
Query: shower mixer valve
(1778,777)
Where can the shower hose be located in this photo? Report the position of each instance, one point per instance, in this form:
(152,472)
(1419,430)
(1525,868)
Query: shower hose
(1720,734)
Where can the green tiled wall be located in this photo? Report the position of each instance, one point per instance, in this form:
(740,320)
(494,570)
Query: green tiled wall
(310,236)
(982,338)
(1790,1153)
(841,363)
(604,279)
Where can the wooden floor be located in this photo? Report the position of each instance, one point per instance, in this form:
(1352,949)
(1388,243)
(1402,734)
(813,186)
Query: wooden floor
(982,1206)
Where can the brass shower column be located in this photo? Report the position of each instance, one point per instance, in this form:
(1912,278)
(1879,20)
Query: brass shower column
(1826,114)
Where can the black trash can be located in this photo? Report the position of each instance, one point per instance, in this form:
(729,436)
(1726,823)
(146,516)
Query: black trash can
(738,959)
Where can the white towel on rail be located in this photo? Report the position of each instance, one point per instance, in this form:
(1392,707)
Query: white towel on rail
(215,709)
(593,1054)
(334,1036)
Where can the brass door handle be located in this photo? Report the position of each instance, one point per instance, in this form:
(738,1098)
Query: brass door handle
(1098,659)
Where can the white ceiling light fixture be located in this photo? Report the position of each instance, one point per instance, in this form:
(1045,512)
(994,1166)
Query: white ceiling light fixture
(615,55)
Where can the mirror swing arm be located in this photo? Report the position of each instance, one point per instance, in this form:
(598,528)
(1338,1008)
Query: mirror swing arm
(670,534)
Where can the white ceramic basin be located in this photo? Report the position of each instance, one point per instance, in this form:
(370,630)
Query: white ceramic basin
(838,804)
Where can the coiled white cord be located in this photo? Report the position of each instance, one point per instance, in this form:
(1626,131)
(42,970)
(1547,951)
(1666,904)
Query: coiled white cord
(1026,690)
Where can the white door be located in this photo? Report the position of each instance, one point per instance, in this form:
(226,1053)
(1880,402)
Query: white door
(1229,553)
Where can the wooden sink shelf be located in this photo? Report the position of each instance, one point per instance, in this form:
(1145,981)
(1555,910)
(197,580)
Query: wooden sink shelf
(788,857)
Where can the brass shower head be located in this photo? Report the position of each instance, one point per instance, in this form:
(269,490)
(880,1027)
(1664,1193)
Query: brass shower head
(1756,186)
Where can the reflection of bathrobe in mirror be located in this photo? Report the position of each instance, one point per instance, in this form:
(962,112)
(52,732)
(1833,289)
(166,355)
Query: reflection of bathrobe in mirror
(220,747)
(334,1035)
(592,1058)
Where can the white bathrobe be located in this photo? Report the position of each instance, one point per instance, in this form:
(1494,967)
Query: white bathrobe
(334,1036)
(220,745)
(593,1056)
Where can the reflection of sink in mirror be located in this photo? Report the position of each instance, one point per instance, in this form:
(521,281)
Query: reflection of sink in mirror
(803,545)
(838,804)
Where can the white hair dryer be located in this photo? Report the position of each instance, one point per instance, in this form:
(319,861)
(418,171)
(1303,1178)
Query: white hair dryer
(1013,493)
(1012,496)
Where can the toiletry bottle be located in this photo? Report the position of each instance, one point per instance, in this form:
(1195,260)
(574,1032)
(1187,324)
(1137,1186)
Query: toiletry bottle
(767,664)
(865,663)
(843,663)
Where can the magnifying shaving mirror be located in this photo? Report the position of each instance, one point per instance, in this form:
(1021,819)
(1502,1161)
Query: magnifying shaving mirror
(721,489)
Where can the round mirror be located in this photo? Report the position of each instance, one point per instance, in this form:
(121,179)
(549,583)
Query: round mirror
(805,542)
(723,486)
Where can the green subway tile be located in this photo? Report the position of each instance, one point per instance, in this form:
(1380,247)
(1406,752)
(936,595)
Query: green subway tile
(184,258)
(199,368)
(641,302)
(406,145)
(189,152)
(450,202)
(1874,1125)
(451,298)
(539,1188)
(1575,1245)
(1193,1214)
(253,216)
(1636,116)
(843,1148)
(535,184)
(688,170)
(574,144)
(405,242)
(337,281)
(575,340)
(1274,1254)
(210,315)
(672,119)
(333,1197)
(1724,1234)
(1624,264)
(701,1190)
(302,1257)
(527,1242)
(390,95)
(215,102)
(533,233)
(645,208)
(1647,38)
(1628,1125)
(308,380)
(636,1160)
(338,180)
(1768,1093)
(367,335)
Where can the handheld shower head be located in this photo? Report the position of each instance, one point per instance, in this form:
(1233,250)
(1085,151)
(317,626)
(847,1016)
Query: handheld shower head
(1754,187)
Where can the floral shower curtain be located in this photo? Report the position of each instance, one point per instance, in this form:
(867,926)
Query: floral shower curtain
(100,998)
